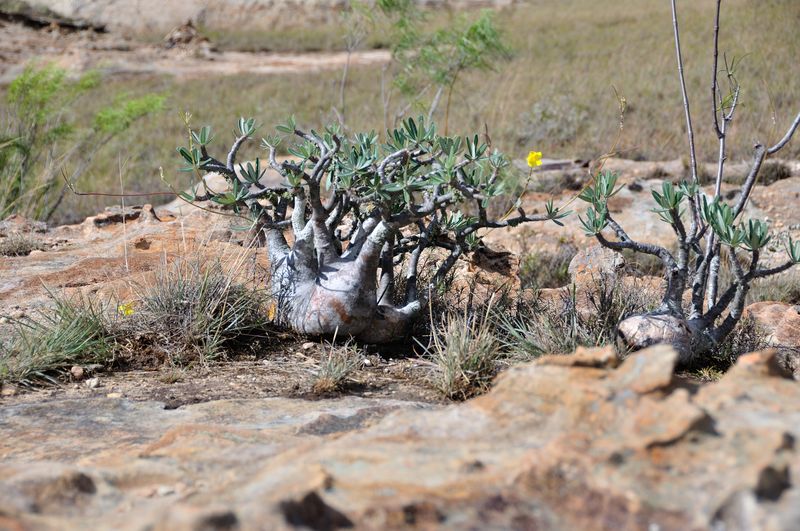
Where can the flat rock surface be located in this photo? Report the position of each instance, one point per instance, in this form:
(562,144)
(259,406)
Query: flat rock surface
(562,443)
(251,15)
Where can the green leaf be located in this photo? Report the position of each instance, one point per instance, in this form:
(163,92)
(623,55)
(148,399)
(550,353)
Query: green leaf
(119,117)
(246,126)
(793,250)
(188,197)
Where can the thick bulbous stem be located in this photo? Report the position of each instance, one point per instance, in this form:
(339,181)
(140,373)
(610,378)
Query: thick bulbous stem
(340,299)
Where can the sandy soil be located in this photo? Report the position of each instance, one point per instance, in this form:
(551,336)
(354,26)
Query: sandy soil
(79,51)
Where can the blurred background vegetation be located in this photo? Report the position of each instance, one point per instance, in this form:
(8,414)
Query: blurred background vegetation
(555,94)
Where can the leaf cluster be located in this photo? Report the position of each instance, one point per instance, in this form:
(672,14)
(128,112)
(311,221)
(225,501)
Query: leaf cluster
(412,173)
(597,195)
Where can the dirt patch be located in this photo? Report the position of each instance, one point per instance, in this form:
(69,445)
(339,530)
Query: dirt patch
(113,54)
(289,372)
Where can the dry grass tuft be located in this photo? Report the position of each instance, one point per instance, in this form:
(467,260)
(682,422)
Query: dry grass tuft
(464,352)
(18,244)
(545,270)
(192,312)
(335,368)
(577,319)
(784,287)
(74,332)
(747,337)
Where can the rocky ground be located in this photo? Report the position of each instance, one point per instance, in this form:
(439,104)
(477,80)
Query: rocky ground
(263,15)
(562,443)
(117,55)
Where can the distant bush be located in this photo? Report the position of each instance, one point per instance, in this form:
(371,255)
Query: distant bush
(39,139)
(556,121)
(774,171)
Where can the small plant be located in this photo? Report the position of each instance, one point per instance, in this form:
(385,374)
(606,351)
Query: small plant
(464,351)
(357,208)
(18,244)
(74,332)
(336,367)
(703,227)
(39,140)
(434,62)
(193,311)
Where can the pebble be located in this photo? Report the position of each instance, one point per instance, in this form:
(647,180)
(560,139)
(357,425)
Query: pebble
(77,372)
(165,490)
(367,363)
(114,395)
(309,345)
(92,383)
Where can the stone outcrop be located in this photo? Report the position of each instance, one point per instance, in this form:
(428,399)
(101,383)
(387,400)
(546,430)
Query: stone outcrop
(239,15)
(567,442)
(781,323)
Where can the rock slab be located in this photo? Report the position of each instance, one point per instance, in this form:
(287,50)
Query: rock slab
(567,442)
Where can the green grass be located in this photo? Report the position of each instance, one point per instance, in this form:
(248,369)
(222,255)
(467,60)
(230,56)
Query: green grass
(193,312)
(73,332)
(555,95)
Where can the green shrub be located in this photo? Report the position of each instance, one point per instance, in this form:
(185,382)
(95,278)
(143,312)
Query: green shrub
(40,140)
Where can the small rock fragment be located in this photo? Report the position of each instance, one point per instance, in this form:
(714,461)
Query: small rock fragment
(165,490)
(92,383)
(77,372)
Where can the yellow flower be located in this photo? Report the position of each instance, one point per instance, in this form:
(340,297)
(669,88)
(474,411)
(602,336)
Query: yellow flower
(534,159)
(125,309)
